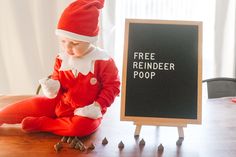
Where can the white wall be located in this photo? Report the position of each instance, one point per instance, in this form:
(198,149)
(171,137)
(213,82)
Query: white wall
(28,44)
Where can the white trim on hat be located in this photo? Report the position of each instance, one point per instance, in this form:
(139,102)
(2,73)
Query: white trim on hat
(75,36)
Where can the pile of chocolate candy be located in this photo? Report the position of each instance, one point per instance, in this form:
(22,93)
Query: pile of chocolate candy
(74,142)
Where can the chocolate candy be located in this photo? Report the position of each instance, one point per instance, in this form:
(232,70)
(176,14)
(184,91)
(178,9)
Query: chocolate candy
(91,147)
(104,141)
(121,145)
(142,142)
(64,139)
(58,146)
(79,145)
(160,148)
(73,142)
(69,139)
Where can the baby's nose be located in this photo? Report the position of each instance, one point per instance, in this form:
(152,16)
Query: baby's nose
(69,52)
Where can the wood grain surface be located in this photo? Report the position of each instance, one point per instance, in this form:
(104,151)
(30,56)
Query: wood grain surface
(216,137)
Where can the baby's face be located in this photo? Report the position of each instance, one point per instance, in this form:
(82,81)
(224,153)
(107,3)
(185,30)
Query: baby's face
(75,48)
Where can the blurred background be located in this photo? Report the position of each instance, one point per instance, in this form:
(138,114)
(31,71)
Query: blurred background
(28,44)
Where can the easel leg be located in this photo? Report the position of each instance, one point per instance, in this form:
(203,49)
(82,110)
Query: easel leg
(181,132)
(137,130)
(181,136)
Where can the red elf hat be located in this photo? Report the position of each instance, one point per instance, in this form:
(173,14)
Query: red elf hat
(79,21)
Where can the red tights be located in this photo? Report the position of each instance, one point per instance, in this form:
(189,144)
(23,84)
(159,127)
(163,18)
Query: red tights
(38,114)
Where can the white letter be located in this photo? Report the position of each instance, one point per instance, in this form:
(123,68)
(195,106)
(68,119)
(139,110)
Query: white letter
(141,74)
(160,66)
(152,56)
(149,65)
(152,74)
(135,74)
(140,56)
(172,66)
(147,75)
(135,55)
(166,66)
(146,56)
(140,65)
(135,65)
(155,66)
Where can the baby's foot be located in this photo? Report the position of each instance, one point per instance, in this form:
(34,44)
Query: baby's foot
(30,124)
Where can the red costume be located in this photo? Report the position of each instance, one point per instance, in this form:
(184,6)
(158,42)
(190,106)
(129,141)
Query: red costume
(57,115)
(82,82)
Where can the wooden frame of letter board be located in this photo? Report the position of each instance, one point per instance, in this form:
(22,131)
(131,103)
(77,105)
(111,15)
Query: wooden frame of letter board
(155,120)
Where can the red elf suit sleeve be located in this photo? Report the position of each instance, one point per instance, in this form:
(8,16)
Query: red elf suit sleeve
(108,74)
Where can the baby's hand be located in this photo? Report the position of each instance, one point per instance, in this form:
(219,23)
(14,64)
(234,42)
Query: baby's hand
(91,111)
(50,87)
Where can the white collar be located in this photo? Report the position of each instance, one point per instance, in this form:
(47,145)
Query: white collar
(84,64)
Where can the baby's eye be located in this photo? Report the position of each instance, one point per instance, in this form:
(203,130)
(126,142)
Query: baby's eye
(75,43)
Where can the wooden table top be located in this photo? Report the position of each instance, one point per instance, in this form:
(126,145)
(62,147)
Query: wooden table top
(216,137)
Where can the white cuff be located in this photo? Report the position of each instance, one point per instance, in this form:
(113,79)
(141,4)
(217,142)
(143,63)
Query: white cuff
(91,111)
(50,87)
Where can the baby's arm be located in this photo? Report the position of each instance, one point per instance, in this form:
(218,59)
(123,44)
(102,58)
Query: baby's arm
(110,84)
(51,86)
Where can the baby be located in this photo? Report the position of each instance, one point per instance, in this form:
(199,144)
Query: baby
(83,84)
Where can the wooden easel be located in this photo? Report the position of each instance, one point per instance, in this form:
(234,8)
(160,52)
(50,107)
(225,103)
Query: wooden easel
(180,129)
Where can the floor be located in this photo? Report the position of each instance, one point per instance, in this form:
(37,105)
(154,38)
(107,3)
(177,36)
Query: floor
(216,137)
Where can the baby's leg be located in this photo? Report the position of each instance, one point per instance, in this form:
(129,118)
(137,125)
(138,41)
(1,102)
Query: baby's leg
(65,126)
(35,106)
